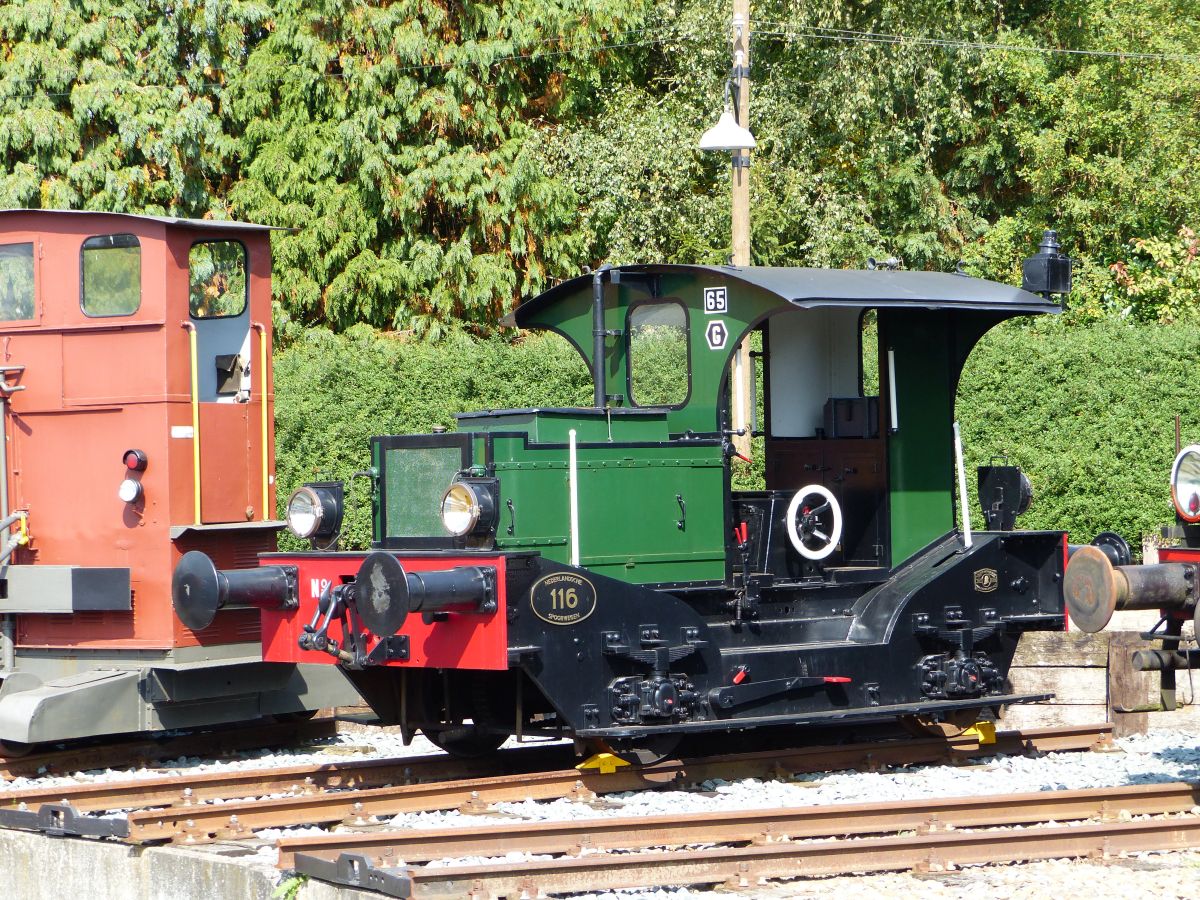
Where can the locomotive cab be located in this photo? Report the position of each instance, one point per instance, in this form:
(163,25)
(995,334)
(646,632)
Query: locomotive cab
(137,410)
(592,572)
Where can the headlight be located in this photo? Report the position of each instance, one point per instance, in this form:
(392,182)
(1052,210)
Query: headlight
(315,510)
(460,509)
(1185,484)
(469,506)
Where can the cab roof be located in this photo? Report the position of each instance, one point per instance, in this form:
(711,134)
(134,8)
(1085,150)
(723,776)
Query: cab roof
(215,224)
(808,288)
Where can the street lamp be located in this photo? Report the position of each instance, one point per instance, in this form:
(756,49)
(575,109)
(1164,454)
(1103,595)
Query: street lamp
(727,134)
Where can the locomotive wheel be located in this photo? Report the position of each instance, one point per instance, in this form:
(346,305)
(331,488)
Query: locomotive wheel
(645,751)
(466,741)
(952,724)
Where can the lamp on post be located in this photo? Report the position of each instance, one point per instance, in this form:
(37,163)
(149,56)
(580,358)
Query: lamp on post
(730,134)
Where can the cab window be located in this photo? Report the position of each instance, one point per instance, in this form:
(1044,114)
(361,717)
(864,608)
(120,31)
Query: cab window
(110,275)
(16,281)
(217,279)
(659,370)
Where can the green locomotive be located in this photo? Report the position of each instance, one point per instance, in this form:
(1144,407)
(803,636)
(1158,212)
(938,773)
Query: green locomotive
(592,572)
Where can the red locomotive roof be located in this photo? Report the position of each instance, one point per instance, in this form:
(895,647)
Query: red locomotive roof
(222,224)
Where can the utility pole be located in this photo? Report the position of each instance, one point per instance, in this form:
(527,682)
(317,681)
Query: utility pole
(743,366)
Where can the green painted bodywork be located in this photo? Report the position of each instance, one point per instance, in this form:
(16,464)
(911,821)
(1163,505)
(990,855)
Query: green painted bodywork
(628,487)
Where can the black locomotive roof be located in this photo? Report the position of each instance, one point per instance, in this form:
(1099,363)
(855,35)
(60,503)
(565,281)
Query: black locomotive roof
(807,288)
(219,224)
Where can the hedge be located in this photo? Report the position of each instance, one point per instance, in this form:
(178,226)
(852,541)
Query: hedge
(1086,411)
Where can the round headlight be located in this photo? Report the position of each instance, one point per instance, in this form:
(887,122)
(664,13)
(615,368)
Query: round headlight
(129,490)
(460,509)
(1185,483)
(304,512)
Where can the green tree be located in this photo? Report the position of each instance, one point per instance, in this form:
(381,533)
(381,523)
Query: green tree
(114,104)
(873,146)
(395,137)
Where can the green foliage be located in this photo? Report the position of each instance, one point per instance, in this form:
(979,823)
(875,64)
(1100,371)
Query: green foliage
(1088,413)
(114,104)
(395,137)
(217,279)
(927,153)
(1161,278)
(658,355)
(441,160)
(111,270)
(289,887)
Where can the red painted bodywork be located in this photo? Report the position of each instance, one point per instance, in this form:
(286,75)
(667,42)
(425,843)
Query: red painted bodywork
(463,641)
(95,387)
(1179,554)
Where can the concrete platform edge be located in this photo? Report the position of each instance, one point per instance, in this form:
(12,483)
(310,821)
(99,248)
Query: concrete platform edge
(37,867)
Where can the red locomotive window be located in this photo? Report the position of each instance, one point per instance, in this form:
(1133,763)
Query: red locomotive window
(217,279)
(16,281)
(110,274)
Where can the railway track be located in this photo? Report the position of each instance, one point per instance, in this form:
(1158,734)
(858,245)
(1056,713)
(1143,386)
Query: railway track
(751,845)
(180,808)
(213,743)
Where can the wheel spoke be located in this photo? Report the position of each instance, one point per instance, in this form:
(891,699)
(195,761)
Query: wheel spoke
(820,534)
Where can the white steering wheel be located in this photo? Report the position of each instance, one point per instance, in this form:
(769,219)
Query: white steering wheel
(814,522)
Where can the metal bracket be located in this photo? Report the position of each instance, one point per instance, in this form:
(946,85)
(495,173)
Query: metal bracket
(356,870)
(394,647)
(60,819)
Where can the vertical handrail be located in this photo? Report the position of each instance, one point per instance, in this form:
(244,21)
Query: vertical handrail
(962,487)
(573,491)
(262,378)
(194,354)
(8,647)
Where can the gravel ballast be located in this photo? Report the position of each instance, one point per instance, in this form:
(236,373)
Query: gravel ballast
(1158,757)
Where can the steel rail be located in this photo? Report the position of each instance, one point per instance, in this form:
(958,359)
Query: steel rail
(62,809)
(759,826)
(743,867)
(364,807)
(186,789)
(217,742)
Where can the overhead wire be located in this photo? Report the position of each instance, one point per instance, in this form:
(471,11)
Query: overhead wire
(848,35)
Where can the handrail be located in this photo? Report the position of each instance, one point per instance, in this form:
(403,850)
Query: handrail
(195,364)
(266,475)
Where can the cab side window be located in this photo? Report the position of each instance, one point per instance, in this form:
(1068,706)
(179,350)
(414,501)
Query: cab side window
(659,367)
(16,282)
(217,279)
(110,268)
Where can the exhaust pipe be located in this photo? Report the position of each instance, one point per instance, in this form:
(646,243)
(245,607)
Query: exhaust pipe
(1094,588)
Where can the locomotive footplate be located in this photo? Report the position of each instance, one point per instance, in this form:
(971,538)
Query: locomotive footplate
(828,717)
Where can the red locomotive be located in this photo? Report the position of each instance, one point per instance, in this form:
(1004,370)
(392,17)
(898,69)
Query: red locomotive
(137,415)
